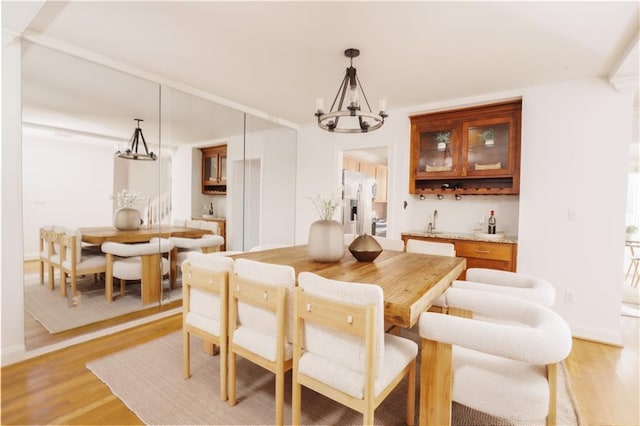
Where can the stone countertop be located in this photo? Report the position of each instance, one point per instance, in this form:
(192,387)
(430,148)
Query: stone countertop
(507,239)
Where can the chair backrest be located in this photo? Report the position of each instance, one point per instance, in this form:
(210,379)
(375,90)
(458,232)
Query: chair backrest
(196,224)
(327,335)
(254,281)
(533,333)
(205,286)
(180,222)
(127,250)
(429,247)
(390,243)
(209,226)
(511,283)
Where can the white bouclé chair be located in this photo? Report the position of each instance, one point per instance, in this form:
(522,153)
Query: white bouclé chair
(205,287)
(260,328)
(509,283)
(507,370)
(341,349)
(143,261)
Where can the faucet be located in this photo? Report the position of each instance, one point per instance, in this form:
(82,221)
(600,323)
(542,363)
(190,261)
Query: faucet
(435,217)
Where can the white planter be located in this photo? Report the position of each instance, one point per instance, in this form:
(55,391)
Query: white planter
(127,219)
(326,241)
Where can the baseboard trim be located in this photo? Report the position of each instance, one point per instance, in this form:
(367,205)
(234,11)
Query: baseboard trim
(598,335)
(18,354)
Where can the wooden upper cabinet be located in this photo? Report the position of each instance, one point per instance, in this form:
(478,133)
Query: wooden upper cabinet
(214,169)
(467,151)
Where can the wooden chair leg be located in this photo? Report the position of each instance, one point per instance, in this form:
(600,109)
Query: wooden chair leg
(296,400)
(108,280)
(63,283)
(51,278)
(41,272)
(123,284)
(280,398)
(232,379)
(411,394)
(552,378)
(436,381)
(223,370)
(186,355)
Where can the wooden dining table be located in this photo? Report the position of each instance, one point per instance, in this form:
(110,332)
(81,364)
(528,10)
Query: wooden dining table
(411,282)
(151,278)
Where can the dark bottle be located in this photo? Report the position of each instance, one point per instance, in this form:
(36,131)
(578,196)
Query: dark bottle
(492,224)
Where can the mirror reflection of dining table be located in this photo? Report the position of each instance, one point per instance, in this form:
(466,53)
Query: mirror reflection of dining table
(150,292)
(411,282)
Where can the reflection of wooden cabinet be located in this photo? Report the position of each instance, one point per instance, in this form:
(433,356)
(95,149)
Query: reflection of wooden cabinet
(214,169)
(479,254)
(377,171)
(467,151)
(222,228)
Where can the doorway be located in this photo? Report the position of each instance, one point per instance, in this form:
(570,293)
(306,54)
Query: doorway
(371,165)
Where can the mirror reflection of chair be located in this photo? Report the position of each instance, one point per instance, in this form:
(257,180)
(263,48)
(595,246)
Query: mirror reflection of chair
(260,302)
(634,264)
(341,349)
(430,247)
(136,262)
(44,235)
(75,262)
(205,286)
(507,370)
(183,246)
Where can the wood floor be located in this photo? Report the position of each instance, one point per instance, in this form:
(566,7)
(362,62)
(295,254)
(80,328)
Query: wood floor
(57,388)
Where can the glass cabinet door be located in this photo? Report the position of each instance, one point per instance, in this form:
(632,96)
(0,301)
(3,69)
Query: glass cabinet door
(211,168)
(222,163)
(437,152)
(489,147)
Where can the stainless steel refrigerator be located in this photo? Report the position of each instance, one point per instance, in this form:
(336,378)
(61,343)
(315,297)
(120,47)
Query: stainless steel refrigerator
(357,206)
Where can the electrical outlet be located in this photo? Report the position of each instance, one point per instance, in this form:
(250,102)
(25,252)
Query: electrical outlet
(568,297)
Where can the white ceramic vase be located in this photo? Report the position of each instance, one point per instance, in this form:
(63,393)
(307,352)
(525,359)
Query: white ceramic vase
(127,219)
(326,241)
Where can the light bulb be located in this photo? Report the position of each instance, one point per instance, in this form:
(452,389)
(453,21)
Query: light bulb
(320,104)
(382,105)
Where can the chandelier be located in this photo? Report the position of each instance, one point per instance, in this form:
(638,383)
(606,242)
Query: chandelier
(365,121)
(132,152)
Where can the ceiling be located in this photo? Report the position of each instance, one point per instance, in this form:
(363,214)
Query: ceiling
(278,57)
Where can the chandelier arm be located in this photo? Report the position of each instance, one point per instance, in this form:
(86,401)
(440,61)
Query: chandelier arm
(144,142)
(364,95)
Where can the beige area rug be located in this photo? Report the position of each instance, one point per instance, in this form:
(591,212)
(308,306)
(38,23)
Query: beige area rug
(57,313)
(148,379)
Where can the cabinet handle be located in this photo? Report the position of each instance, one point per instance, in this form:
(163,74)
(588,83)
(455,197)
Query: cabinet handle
(482,251)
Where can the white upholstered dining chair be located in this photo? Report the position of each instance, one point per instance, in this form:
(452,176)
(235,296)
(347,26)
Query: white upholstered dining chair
(515,284)
(141,261)
(507,370)
(205,287)
(74,262)
(341,349)
(260,302)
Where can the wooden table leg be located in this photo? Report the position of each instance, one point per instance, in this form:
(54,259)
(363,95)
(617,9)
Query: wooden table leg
(173,268)
(151,278)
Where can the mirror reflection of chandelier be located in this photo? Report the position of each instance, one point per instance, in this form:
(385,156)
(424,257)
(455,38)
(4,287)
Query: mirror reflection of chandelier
(132,152)
(363,121)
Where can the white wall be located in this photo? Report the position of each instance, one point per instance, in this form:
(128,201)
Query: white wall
(66,182)
(575,144)
(575,140)
(11,270)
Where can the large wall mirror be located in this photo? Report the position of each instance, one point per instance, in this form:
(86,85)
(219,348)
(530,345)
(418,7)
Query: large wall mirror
(76,114)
